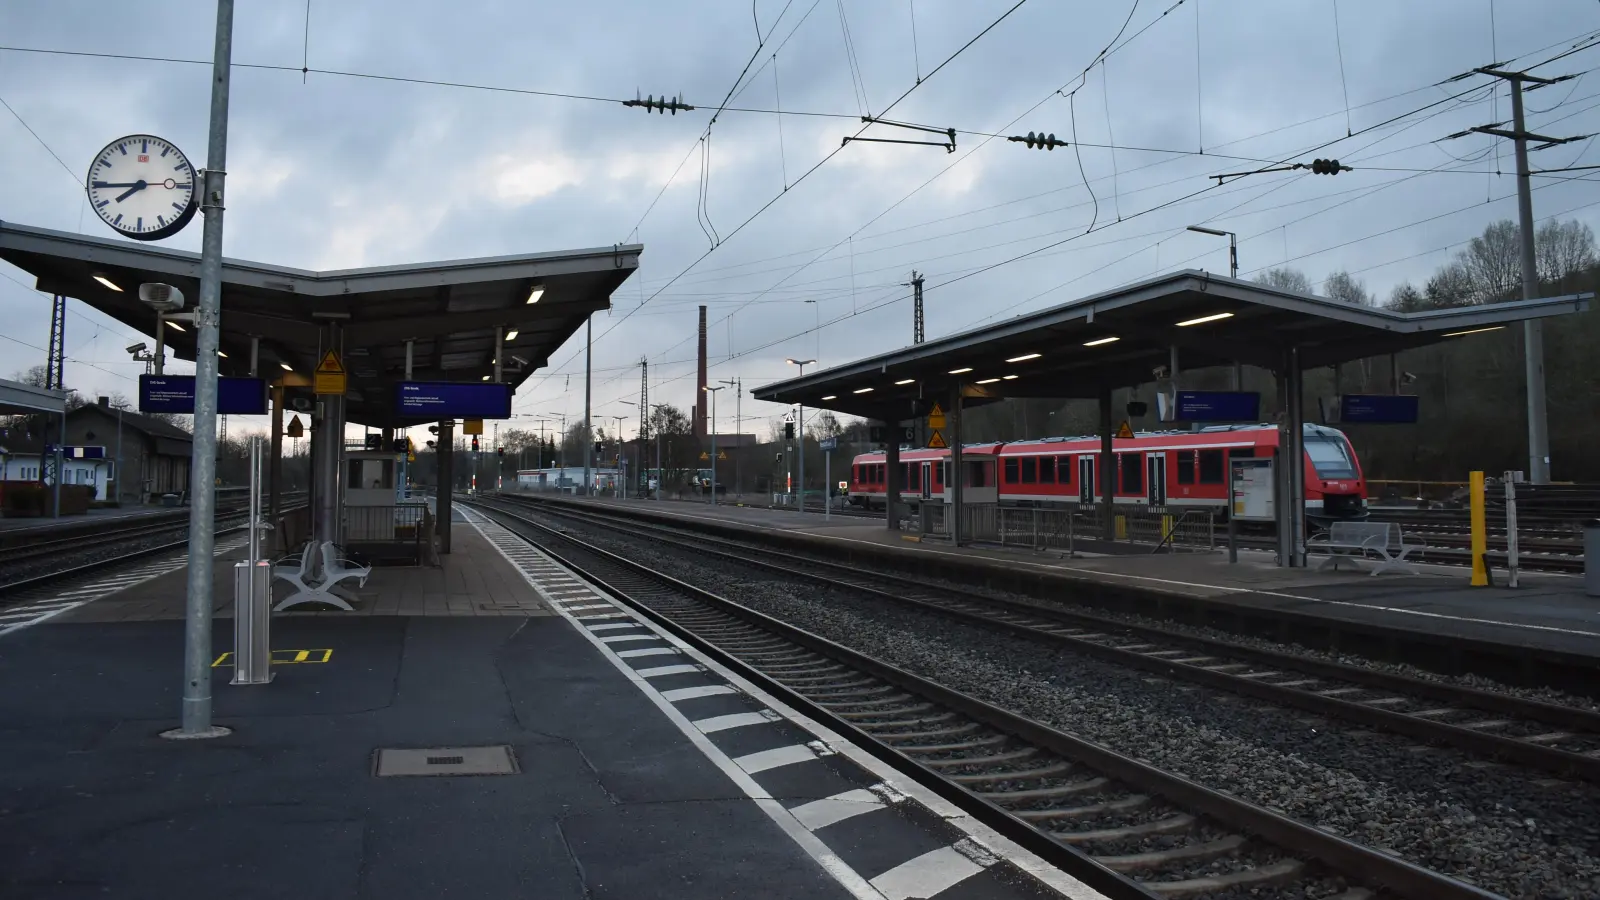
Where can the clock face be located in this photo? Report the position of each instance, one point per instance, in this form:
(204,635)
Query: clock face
(143,187)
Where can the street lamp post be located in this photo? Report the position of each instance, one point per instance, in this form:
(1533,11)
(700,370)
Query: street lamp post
(738,430)
(1233,272)
(661,472)
(622,469)
(713,392)
(800,434)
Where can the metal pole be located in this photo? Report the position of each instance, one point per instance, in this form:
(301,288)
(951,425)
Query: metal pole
(1512,564)
(275,464)
(713,393)
(252,608)
(61,443)
(827,485)
(161,323)
(196,708)
(588,431)
(1233,255)
(118,497)
(1532,329)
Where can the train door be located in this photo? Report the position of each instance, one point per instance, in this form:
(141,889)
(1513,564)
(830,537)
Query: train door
(1086,480)
(1156,478)
(927,480)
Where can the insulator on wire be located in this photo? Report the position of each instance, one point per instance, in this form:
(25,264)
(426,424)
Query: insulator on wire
(1327,167)
(662,104)
(1040,141)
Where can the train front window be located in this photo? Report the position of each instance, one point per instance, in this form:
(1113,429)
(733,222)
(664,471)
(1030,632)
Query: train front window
(1330,457)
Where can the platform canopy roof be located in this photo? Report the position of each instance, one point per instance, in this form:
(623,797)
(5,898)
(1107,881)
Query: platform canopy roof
(19,399)
(448,310)
(1118,338)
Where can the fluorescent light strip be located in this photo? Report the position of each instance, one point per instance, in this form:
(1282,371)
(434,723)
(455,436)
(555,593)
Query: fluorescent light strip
(286,367)
(988,380)
(172,324)
(1008,377)
(512,334)
(905,381)
(107,282)
(1203,319)
(831,397)
(1023,358)
(962,371)
(1474,330)
(535,294)
(862,391)
(1097,342)
(221,354)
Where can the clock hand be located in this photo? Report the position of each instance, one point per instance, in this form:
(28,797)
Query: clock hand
(106,184)
(137,186)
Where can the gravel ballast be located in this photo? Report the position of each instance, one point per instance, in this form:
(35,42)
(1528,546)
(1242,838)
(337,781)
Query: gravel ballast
(1507,830)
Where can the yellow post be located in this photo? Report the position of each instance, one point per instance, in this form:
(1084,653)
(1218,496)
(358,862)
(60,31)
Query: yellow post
(1122,528)
(1480,535)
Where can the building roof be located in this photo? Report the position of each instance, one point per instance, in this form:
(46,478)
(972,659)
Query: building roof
(1119,337)
(137,421)
(448,310)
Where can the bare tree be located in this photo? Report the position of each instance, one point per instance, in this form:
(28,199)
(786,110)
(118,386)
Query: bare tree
(1451,286)
(1563,249)
(1345,289)
(1405,298)
(1286,279)
(825,425)
(1494,263)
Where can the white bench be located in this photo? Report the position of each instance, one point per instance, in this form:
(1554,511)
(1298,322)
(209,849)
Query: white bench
(318,587)
(1351,541)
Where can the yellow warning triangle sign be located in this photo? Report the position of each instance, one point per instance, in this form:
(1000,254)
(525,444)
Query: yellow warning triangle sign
(1125,432)
(937,441)
(330,365)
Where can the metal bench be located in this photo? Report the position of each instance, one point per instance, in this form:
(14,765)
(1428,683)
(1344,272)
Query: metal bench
(323,586)
(1352,541)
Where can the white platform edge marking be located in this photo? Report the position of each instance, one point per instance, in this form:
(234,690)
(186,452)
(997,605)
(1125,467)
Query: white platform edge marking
(51,607)
(927,875)
(847,877)
(986,838)
(822,813)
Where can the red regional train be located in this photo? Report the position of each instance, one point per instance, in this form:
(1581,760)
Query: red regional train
(1161,468)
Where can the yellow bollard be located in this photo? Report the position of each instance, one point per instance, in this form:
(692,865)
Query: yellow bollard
(1122,528)
(1480,534)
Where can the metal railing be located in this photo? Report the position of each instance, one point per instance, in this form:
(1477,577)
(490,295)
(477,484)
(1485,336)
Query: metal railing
(405,523)
(1058,528)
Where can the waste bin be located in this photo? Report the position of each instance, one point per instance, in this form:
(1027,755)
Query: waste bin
(1591,557)
(169,500)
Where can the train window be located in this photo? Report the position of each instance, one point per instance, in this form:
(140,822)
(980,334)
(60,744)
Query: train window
(1011,470)
(975,474)
(1211,467)
(944,474)
(1186,467)
(1132,467)
(1047,470)
(1064,467)
(1030,470)
(882,471)
(914,476)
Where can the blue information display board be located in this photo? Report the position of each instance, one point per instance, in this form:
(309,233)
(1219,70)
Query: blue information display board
(1386,409)
(453,400)
(175,394)
(1219,406)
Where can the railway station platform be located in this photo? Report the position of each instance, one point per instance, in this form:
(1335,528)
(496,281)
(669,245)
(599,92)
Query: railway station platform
(1546,612)
(632,765)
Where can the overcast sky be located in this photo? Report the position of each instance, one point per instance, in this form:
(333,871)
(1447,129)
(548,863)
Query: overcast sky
(337,171)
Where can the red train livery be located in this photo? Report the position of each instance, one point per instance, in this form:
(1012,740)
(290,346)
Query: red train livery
(1162,468)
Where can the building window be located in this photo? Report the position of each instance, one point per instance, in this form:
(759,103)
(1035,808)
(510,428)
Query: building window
(1132,467)
(1064,467)
(1211,467)
(1186,467)
(1047,470)
(1030,470)
(1011,470)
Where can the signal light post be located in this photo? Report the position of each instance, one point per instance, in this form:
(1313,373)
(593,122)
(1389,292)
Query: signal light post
(800,435)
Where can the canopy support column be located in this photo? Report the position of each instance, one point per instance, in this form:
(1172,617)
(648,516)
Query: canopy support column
(446,448)
(275,470)
(957,469)
(892,482)
(1297,461)
(1107,468)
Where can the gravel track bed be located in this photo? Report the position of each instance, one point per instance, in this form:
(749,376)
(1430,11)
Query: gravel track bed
(1548,695)
(1492,826)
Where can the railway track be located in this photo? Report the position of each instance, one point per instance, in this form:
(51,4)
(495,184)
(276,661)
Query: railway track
(1126,827)
(1553,738)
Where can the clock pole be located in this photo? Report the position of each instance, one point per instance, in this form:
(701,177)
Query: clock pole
(197,654)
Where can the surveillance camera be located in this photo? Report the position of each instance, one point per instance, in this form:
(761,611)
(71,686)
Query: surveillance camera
(161,297)
(136,349)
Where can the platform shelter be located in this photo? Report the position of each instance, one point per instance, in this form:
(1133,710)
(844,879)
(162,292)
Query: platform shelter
(468,321)
(1148,331)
